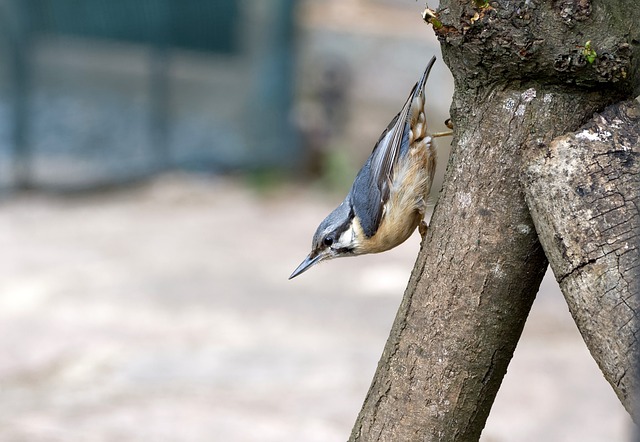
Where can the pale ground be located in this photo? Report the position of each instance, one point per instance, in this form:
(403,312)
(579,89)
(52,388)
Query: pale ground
(164,313)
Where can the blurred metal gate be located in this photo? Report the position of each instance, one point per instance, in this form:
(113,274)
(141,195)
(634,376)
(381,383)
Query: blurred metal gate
(97,92)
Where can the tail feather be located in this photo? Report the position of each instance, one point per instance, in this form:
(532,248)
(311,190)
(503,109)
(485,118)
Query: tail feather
(417,119)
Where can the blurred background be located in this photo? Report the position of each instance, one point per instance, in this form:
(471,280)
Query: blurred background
(163,166)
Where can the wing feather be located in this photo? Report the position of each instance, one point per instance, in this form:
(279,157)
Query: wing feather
(371,187)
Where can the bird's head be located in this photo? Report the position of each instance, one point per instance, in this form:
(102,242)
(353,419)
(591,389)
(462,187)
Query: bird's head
(336,236)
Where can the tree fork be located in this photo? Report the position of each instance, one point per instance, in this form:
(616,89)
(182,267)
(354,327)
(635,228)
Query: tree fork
(523,77)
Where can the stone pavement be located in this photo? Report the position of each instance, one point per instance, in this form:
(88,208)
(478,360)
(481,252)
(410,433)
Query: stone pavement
(163,313)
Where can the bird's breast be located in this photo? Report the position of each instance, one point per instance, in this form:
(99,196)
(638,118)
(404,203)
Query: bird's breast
(408,193)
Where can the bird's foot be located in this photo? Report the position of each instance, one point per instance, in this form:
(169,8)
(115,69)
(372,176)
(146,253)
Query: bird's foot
(448,133)
(422,228)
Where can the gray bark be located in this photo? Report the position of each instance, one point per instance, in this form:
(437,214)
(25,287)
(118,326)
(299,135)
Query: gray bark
(583,192)
(522,80)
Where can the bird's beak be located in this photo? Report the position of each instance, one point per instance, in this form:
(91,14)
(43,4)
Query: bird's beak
(308,262)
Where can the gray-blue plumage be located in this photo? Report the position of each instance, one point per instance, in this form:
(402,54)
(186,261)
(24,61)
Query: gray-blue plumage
(370,189)
(356,226)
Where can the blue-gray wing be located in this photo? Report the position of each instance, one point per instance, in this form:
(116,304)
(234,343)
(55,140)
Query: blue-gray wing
(370,189)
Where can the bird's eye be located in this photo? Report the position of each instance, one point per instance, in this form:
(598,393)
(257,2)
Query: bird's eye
(328,241)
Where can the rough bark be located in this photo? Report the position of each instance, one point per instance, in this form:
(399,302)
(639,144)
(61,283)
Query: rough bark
(522,79)
(583,192)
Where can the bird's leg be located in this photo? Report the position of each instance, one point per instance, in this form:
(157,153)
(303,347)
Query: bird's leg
(448,133)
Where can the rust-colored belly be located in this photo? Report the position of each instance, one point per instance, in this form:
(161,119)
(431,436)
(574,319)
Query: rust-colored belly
(407,202)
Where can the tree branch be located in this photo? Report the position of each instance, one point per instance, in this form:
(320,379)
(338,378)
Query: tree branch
(583,191)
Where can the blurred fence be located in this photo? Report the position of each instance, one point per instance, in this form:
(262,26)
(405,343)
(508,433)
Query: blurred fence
(97,92)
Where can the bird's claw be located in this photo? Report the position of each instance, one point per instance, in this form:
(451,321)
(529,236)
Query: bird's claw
(448,133)
(422,228)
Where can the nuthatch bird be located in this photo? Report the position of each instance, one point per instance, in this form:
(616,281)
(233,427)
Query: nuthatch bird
(388,198)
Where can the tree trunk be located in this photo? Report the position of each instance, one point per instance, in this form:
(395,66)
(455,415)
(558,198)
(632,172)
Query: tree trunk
(583,192)
(522,80)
